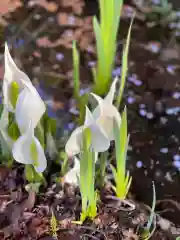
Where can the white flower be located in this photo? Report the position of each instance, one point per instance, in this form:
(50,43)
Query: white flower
(99,141)
(28,150)
(29,108)
(106,112)
(72,176)
(14,80)
(100,122)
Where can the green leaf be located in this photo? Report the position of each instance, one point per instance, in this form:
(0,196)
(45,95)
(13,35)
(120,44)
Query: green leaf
(52,126)
(152,208)
(5,147)
(34,154)
(33,187)
(122,180)
(76,76)
(102,168)
(14,93)
(87,178)
(145,232)
(64,165)
(105,33)
(40,134)
(13,131)
(53,224)
(124,65)
(29,173)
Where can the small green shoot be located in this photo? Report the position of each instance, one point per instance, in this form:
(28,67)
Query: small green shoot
(81,100)
(124,65)
(64,165)
(76,77)
(146,234)
(122,179)
(87,179)
(53,225)
(106,32)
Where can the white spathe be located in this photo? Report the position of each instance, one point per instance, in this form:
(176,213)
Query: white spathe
(100,122)
(99,141)
(12,74)
(22,151)
(72,176)
(106,112)
(29,108)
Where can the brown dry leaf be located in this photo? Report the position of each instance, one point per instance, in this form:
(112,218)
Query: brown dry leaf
(4,171)
(62,18)
(86,40)
(65,19)
(49,6)
(7,6)
(77,5)
(129,235)
(29,203)
(88,23)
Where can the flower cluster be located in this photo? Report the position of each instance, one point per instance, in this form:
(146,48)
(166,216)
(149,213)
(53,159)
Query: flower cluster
(22,101)
(101,124)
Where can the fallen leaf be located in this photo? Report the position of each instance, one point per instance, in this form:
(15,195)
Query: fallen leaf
(7,6)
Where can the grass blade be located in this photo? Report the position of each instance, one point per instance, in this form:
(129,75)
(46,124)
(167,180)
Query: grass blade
(76,77)
(124,66)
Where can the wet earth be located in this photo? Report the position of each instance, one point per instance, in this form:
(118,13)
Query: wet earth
(41,34)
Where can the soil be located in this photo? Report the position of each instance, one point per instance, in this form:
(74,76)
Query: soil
(41,33)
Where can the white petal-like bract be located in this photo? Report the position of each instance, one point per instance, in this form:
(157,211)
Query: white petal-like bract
(99,141)
(72,176)
(12,74)
(22,151)
(100,122)
(29,108)
(110,96)
(106,112)
(73,145)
